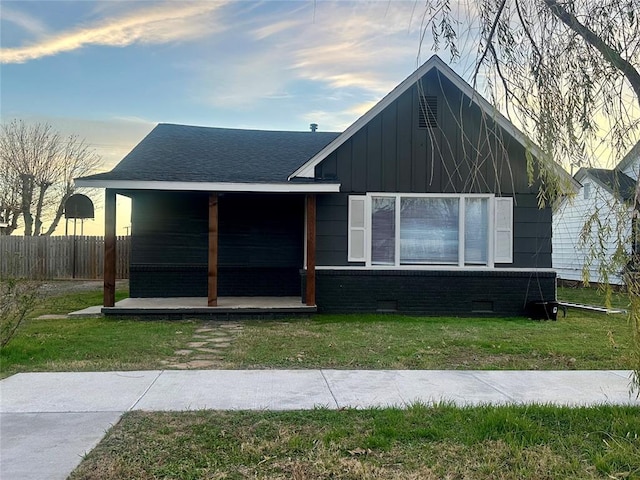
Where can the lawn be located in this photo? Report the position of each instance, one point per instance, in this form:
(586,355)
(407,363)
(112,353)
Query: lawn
(89,344)
(593,296)
(516,442)
(579,341)
(535,442)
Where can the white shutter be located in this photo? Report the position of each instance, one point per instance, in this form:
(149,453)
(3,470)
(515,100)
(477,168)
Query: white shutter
(503,230)
(357,228)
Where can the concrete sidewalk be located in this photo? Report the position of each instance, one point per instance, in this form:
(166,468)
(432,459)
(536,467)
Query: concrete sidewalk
(48,421)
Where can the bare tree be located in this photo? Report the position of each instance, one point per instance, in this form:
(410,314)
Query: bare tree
(567,72)
(37,168)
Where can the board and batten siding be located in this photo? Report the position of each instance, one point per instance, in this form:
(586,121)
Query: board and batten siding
(393,154)
(466,153)
(569,255)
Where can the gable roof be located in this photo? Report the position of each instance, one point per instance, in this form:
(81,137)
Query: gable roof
(615,181)
(181,156)
(308,169)
(632,156)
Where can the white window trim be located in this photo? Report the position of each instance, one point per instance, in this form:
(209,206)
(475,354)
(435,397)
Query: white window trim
(461,226)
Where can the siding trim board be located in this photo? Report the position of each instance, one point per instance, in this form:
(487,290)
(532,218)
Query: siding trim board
(434,268)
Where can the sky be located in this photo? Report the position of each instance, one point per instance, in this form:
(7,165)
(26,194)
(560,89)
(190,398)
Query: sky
(109,71)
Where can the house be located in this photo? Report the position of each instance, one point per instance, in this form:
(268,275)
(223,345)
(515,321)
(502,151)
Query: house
(422,206)
(592,232)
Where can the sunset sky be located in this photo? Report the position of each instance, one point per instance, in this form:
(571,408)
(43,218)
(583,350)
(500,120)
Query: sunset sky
(110,71)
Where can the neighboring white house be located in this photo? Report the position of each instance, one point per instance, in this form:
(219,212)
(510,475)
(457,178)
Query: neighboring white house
(590,229)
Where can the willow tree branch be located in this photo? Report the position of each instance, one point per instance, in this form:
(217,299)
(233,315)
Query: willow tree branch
(610,55)
(489,41)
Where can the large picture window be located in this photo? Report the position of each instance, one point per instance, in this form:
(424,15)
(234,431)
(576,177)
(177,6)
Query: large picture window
(426,229)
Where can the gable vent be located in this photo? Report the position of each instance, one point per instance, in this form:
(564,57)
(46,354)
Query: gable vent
(428,114)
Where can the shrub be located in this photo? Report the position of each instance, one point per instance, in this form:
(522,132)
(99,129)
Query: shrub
(17,299)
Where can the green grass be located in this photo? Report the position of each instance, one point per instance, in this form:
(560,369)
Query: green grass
(519,442)
(580,341)
(92,344)
(89,344)
(593,296)
(71,302)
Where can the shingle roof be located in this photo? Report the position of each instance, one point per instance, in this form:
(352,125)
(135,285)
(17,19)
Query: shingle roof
(616,181)
(182,153)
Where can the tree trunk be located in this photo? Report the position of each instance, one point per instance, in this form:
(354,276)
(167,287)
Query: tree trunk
(56,219)
(27,197)
(38,219)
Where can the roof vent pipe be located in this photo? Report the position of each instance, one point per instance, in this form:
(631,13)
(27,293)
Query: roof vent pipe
(313,127)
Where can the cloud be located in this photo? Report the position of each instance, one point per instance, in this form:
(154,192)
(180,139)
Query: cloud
(166,23)
(24,21)
(274,29)
(352,41)
(338,121)
(353,47)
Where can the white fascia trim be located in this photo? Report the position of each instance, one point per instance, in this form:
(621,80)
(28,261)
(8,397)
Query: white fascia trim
(439,268)
(307,170)
(211,186)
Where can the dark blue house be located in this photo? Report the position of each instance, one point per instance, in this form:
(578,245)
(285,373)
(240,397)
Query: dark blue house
(423,206)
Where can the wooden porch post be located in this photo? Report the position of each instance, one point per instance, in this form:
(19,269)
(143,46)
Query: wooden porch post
(212,299)
(310,294)
(109,296)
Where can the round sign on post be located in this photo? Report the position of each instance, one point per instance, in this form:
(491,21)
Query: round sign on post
(78,206)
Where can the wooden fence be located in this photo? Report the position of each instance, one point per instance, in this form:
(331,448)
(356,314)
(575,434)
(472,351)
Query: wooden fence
(48,258)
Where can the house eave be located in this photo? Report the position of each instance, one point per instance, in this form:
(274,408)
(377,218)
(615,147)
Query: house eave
(210,186)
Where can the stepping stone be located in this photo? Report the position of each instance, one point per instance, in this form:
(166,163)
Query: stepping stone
(204,330)
(183,352)
(178,366)
(208,350)
(219,341)
(201,336)
(196,344)
(208,358)
(200,364)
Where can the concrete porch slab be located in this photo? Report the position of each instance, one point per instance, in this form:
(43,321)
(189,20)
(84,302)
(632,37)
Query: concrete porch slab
(227,306)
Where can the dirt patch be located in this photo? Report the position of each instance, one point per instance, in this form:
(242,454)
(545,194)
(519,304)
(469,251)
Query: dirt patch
(61,287)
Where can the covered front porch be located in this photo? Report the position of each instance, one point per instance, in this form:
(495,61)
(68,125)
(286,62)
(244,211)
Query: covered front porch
(249,257)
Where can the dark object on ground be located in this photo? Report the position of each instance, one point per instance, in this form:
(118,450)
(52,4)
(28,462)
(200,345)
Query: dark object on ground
(541,310)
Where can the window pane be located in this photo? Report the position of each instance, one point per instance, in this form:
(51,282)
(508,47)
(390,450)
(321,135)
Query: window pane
(357,212)
(383,230)
(357,244)
(429,230)
(476,227)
